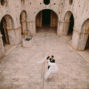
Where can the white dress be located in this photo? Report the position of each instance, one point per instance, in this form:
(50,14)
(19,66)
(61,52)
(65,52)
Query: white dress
(53,68)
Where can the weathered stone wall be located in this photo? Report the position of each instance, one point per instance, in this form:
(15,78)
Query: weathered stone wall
(79,9)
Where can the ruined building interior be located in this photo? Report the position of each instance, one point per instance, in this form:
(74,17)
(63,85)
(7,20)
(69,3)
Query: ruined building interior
(33,29)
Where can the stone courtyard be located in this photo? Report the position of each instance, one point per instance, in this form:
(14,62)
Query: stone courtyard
(20,69)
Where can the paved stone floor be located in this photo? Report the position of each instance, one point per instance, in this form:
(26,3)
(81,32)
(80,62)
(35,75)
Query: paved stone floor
(20,70)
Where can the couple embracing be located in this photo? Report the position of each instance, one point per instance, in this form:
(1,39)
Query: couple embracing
(52,67)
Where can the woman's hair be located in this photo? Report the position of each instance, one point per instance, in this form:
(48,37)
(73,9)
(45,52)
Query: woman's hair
(48,57)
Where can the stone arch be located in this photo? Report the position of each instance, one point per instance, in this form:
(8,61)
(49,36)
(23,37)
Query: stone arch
(3,2)
(84,36)
(7,30)
(23,22)
(68,23)
(51,17)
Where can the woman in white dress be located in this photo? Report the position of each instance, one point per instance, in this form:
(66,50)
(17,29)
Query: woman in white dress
(52,67)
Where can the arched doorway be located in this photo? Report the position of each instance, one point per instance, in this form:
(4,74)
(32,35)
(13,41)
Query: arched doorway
(23,22)
(69,23)
(84,38)
(7,30)
(4,32)
(45,20)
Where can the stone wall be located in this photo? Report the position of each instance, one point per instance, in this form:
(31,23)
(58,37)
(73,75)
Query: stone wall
(79,9)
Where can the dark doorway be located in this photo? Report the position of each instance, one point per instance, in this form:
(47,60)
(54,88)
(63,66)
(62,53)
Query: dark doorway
(46,17)
(46,2)
(87,44)
(46,21)
(71,25)
(4,32)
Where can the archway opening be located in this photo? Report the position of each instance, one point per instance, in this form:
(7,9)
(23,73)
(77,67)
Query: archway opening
(3,2)
(69,23)
(46,20)
(4,32)
(87,44)
(6,28)
(23,22)
(85,36)
(46,17)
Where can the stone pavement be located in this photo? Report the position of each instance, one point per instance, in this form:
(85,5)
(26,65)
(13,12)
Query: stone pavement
(20,70)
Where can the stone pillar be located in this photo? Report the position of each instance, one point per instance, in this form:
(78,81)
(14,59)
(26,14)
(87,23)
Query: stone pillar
(60,28)
(11,34)
(31,25)
(75,39)
(79,40)
(18,38)
(24,28)
(63,28)
(66,27)
(82,41)
(2,52)
(11,31)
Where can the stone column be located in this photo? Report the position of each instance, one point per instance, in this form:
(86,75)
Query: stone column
(18,37)
(31,28)
(11,34)
(82,41)
(66,27)
(63,28)
(79,40)
(80,37)
(24,28)
(75,39)
(2,52)
(60,28)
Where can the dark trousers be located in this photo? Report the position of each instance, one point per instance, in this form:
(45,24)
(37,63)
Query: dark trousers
(48,67)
